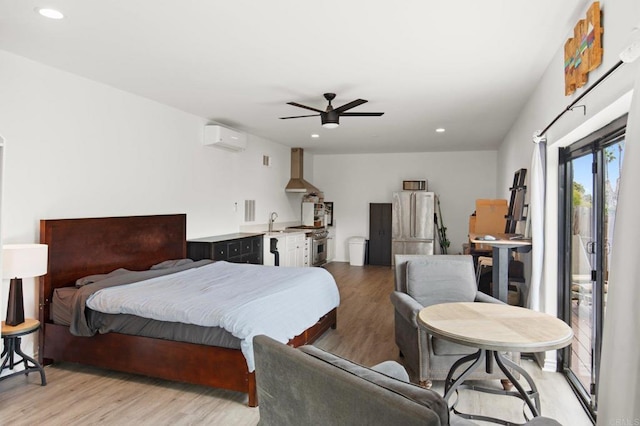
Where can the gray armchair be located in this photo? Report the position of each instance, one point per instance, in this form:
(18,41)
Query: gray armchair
(422,281)
(308,386)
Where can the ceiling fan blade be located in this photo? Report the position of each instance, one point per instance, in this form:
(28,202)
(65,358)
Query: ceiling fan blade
(361,114)
(350,105)
(300,116)
(304,106)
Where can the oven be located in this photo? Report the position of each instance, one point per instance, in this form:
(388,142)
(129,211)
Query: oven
(318,251)
(317,243)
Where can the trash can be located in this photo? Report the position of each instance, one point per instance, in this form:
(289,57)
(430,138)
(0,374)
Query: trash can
(356,251)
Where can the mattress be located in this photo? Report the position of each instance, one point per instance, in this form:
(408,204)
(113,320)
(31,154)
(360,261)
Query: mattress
(61,311)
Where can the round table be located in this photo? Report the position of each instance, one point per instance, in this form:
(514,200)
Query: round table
(11,334)
(494,328)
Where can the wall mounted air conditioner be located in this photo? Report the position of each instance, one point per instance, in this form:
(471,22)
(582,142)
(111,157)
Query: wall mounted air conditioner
(224,137)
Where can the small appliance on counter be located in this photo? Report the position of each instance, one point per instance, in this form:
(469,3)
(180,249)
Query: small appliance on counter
(307,213)
(312,211)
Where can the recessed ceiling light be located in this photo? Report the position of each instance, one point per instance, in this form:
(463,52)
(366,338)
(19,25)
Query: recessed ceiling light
(315,135)
(440,130)
(50,13)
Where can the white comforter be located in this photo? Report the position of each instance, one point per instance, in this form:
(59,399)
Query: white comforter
(246,300)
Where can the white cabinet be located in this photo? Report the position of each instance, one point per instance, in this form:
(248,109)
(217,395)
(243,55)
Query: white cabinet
(306,257)
(295,250)
(292,249)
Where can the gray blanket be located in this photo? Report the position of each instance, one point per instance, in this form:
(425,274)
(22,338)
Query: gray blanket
(79,320)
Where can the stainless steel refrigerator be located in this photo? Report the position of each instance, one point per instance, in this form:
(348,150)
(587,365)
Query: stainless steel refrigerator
(412,223)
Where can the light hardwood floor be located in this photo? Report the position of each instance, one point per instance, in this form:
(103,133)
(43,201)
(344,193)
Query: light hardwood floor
(78,395)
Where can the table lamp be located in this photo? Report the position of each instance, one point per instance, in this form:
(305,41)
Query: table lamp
(21,261)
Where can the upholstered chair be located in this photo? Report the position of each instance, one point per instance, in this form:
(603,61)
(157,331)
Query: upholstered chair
(308,386)
(422,281)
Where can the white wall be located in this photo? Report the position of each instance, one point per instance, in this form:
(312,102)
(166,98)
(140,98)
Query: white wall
(547,100)
(353,181)
(77,148)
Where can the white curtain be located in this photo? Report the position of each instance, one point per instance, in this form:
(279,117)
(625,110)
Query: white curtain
(619,381)
(536,213)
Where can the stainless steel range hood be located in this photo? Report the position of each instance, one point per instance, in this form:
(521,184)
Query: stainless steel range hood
(297,182)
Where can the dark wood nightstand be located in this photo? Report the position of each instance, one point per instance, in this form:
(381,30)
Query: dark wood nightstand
(12,336)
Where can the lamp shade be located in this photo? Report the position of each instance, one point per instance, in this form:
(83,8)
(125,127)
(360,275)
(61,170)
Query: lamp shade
(24,260)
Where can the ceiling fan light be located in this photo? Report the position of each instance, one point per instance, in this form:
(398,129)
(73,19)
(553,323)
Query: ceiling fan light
(330,119)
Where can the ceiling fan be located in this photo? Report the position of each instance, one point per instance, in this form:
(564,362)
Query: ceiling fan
(331,117)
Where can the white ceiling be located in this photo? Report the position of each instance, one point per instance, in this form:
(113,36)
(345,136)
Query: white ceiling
(465,65)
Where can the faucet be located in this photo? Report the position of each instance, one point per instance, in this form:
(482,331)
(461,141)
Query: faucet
(272,219)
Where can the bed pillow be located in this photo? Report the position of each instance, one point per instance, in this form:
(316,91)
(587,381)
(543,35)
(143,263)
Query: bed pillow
(171,263)
(99,277)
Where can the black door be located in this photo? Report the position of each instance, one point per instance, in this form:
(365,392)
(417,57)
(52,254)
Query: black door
(380,234)
(589,176)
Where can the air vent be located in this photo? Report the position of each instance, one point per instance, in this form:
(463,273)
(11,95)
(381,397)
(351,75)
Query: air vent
(249,210)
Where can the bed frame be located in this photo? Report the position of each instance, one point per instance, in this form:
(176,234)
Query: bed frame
(80,247)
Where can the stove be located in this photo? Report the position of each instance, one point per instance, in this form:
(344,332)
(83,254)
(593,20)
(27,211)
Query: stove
(317,239)
(315,232)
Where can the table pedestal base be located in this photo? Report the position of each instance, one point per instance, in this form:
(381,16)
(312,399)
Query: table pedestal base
(11,348)
(530,397)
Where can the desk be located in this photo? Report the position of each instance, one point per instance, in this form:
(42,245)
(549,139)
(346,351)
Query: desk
(494,328)
(12,336)
(501,255)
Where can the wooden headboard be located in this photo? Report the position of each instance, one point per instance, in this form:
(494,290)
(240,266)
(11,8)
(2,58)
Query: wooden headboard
(81,247)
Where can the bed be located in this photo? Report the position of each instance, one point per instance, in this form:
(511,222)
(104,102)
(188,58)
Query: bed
(82,247)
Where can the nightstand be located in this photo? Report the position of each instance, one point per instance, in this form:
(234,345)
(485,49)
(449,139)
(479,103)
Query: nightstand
(12,336)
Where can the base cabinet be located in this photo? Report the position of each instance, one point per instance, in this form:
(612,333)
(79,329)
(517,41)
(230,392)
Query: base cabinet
(295,250)
(235,248)
(292,250)
(306,257)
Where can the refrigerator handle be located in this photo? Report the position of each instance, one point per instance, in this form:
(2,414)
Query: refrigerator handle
(410,215)
(413,214)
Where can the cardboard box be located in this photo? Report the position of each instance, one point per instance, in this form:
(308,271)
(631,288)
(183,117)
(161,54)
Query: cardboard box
(490,216)
(489,219)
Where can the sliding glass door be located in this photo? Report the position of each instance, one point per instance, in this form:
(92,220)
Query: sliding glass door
(590,175)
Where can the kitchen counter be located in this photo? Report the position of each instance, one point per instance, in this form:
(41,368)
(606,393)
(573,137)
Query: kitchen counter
(219,238)
(279,233)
